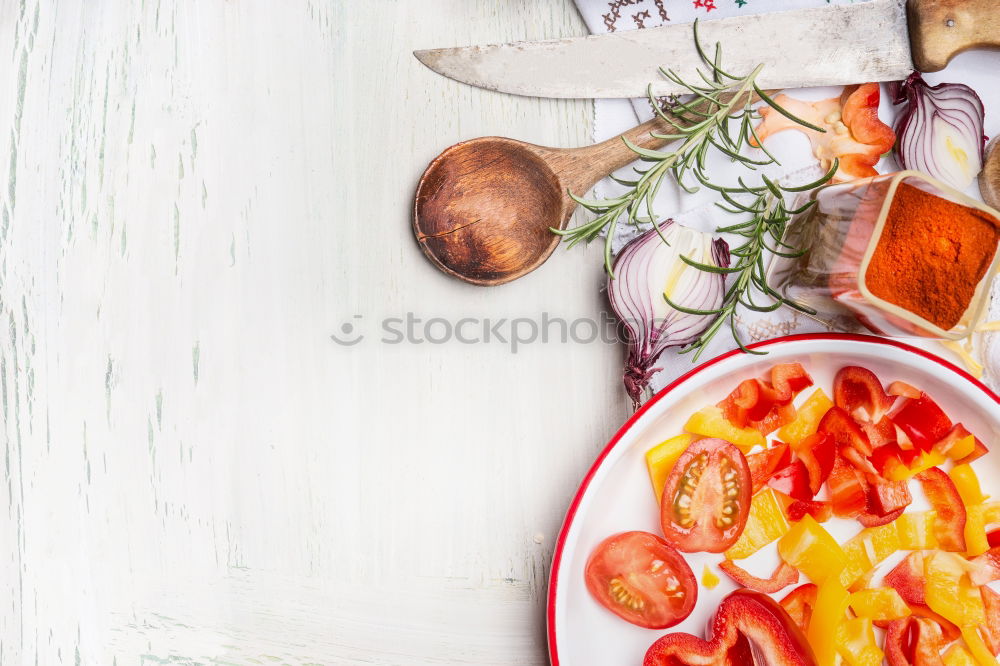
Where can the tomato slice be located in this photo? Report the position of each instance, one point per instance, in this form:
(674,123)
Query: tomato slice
(706,498)
(857,388)
(642,579)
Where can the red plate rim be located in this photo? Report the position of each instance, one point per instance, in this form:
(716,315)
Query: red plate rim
(550,611)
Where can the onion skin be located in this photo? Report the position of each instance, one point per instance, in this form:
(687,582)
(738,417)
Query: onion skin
(643,269)
(940,130)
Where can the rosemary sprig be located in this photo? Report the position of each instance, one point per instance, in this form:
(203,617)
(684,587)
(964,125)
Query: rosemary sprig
(702,123)
(763,234)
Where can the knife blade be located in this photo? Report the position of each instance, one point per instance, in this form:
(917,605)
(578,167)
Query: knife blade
(834,45)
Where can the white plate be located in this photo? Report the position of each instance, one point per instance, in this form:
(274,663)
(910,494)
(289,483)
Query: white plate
(615,496)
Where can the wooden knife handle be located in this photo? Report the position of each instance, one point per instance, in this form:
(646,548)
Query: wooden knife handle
(941,29)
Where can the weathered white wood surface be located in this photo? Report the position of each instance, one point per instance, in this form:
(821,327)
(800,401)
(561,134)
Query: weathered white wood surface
(196,195)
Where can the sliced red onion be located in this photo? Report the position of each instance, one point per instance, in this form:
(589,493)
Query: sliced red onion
(645,270)
(940,130)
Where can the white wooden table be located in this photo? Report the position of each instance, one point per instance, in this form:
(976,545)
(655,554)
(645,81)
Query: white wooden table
(197,194)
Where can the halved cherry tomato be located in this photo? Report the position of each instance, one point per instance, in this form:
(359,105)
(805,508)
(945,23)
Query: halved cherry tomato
(743,615)
(642,579)
(923,421)
(764,463)
(847,490)
(782,577)
(857,388)
(949,525)
(706,498)
(845,431)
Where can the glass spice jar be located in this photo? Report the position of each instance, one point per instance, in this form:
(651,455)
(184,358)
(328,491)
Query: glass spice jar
(899,254)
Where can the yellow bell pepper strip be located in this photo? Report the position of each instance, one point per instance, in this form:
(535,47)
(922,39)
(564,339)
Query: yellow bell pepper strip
(831,606)
(977,647)
(916,531)
(709,579)
(766,523)
(949,592)
(957,655)
(976,541)
(807,418)
(709,422)
(967,484)
(963,448)
(991,512)
(883,603)
(661,458)
(856,643)
(866,550)
(810,549)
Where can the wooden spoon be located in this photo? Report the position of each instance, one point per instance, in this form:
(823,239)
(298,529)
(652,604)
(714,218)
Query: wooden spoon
(484,207)
(989,177)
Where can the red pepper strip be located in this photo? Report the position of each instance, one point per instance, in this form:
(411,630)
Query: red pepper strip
(844,430)
(949,525)
(782,577)
(788,380)
(880,433)
(903,389)
(817,452)
(875,520)
(889,457)
(744,404)
(820,511)
(860,462)
(914,641)
(799,604)
(991,631)
(860,115)
(792,480)
(923,421)
(957,433)
(976,454)
(950,631)
(884,497)
(907,578)
(985,568)
(847,490)
(993,538)
(745,614)
(764,463)
(856,388)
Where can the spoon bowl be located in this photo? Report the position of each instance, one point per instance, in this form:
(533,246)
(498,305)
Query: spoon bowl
(484,207)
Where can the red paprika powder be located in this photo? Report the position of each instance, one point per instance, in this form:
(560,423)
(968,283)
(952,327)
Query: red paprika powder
(931,255)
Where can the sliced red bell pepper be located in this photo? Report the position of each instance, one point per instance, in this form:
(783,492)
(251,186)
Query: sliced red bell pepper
(907,578)
(788,380)
(985,568)
(799,604)
(881,432)
(857,388)
(782,577)
(885,497)
(876,520)
(792,480)
(913,641)
(764,463)
(847,490)
(923,421)
(993,538)
(745,404)
(953,440)
(950,630)
(817,452)
(820,511)
(903,389)
(845,430)
(991,631)
(860,462)
(744,614)
(949,525)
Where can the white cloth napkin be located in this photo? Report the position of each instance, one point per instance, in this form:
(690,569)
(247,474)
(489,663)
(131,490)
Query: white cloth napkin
(611,117)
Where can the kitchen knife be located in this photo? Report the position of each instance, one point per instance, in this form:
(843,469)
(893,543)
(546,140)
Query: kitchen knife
(877,40)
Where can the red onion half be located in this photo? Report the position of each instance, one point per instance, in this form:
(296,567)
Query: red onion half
(648,268)
(940,130)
